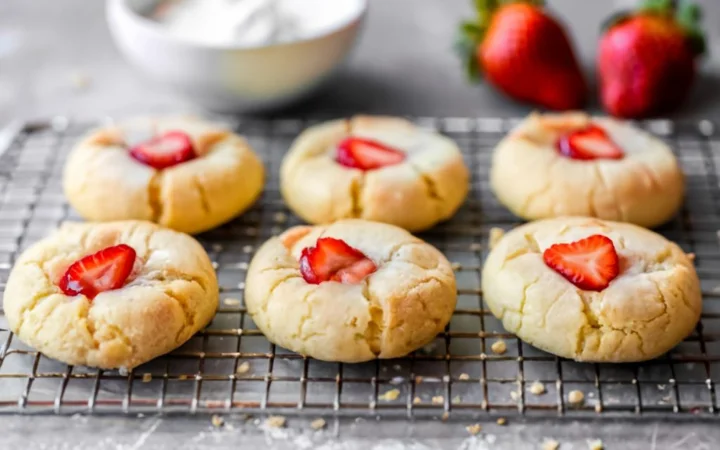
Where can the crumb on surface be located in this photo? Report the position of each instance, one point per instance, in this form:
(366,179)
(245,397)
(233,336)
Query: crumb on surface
(243,368)
(275,422)
(247,249)
(182,377)
(515,395)
(231,302)
(499,347)
(576,397)
(417,400)
(147,377)
(438,400)
(475,247)
(464,376)
(495,235)
(456,266)
(280,217)
(80,80)
(390,395)
(457,399)
(418,379)
(550,444)
(445,416)
(217,421)
(595,444)
(501,421)
(598,408)
(537,388)
(318,424)
(474,429)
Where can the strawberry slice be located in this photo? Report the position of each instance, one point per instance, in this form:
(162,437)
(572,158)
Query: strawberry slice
(366,154)
(103,271)
(590,263)
(333,260)
(589,143)
(166,150)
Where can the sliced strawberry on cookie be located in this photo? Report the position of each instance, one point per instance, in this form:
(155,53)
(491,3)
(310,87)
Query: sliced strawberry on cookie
(589,143)
(166,150)
(333,260)
(366,154)
(103,271)
(590,263)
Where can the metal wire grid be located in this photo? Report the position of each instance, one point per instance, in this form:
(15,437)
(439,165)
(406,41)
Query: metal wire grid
(231,367)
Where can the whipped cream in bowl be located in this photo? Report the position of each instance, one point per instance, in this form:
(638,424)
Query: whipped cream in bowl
(237,55)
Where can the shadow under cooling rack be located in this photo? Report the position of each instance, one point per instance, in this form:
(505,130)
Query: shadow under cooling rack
(230,366)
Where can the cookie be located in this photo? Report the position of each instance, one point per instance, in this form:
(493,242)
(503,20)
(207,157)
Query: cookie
(383,169)
(556,165)
(351,291)
(541,281)
(180,172)
(110,295)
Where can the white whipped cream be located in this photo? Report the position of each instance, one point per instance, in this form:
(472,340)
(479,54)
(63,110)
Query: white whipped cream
(253,23)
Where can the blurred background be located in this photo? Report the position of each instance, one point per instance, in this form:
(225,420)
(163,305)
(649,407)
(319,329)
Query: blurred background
(57,57)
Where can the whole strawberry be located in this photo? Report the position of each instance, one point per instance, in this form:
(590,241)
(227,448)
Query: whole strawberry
(524,52)
(647,59)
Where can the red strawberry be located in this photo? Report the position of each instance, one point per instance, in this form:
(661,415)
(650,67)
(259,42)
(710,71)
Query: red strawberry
(589,143)
(173,147)
(103,271)
(366,154)
(646,63)
(590,263)
(333,260)
(525,53)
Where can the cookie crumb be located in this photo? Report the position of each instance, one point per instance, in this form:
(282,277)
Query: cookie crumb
(550,444)
(80,80)
(501,421)
(598,408)
(515,395)
(475,247)
(147,377)
(457,399)
(438,400)
(243,368)
(317,424)
(217,248)
(417,401)
(495,235)
(474,429)
(418,379)
(217,421)
(464,376)
(390,395)
(275,422)
(456,266)
(499,347)
(280,217)
(445,416)
(231,302)
(182,377)
(595,444)
(537,388)
(576,397)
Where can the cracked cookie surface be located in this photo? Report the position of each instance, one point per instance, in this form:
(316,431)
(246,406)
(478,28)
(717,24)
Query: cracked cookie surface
(532,179)
(427,188)
(393,311)
(170,295)
(104,183)
(652,305)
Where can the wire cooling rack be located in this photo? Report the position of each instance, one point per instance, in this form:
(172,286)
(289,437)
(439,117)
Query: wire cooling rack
(231,367)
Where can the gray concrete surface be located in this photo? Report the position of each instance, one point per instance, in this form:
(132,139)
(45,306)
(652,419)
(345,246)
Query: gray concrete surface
(403,65)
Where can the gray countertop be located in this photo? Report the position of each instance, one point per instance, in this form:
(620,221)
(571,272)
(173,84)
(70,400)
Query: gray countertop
(403,65)
(56,57)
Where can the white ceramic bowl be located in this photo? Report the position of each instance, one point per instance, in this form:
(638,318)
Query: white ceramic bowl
(229,78)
